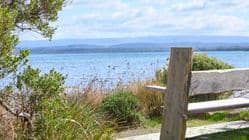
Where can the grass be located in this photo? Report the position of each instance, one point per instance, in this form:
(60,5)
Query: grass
(239,134)
(154,125)
(150,102)
(151,125)
(199,120)
(81,114)
(151,112)
(156,122)
(153,122)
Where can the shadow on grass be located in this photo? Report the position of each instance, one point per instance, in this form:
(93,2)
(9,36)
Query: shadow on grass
(239,134)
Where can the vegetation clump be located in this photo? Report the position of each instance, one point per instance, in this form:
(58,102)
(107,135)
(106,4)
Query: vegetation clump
(37,101)
(205,62)
(122,107)
(51,114)
(244,115)
(43,110)
(200,62)
(161,76)
(150,102)
(22,15)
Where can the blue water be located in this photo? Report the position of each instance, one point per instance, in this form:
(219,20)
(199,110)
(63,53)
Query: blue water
(108,69)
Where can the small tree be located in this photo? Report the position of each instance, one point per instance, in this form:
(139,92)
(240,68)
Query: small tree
(21,15)
(18,16)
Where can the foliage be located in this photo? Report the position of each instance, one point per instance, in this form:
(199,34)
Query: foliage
(39,87)
(53,116)
(34,15)
(121,106)
(61,120)
(204,62)
(210,97)
(21,15)
(8,61)
(150,102)
(50,115)
(218,116)
(161,76)
(244,114)
(153,122)
(200,62)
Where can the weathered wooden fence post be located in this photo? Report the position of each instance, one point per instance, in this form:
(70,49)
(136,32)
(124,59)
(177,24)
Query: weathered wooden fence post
(176,99)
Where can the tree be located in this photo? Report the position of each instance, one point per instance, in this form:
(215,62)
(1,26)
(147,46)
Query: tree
(17,16)
(20,15)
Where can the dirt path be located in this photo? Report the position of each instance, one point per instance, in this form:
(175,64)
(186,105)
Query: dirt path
(196,131)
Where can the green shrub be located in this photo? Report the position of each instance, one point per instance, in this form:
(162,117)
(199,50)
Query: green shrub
(244,115)
(52,115)
(204,62)
(218,116)
(200,62)
(161,76)
(121,106)
(71,120)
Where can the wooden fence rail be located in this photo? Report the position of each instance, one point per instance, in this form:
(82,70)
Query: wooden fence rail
(215,81)
(182,83)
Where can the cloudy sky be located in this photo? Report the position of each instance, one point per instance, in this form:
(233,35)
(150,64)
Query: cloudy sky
(133,18)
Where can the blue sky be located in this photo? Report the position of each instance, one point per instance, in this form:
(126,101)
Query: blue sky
(134,18)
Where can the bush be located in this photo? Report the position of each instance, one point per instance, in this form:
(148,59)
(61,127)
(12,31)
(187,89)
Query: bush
(216,116)
(122,106)
(161,76)
(52,115)
(244,115)
(204,62)
(71,120)
(200,62)
(150,102)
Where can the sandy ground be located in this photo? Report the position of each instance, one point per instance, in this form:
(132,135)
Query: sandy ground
(196,131)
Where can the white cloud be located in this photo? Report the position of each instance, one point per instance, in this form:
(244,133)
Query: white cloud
(117,4)
(189,5)
(118,18)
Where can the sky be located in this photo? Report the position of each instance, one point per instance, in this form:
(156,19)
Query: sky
(83,19)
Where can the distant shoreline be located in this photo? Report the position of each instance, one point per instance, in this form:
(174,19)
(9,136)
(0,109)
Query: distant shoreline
(136,44)
(118,50)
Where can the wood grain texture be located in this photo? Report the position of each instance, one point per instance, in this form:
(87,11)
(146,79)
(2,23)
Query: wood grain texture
(211,106)
(156,88)
(176,99)
(217,81)
(218,105)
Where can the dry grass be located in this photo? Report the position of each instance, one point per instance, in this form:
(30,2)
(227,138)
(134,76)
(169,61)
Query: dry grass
(93,98)
(7,125)
(150,101)
(89,94)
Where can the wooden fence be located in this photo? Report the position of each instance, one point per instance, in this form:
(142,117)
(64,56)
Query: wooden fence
(182,83)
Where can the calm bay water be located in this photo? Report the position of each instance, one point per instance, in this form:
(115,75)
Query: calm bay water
(111,68)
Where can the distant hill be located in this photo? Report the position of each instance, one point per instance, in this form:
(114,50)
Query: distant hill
(140,44)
